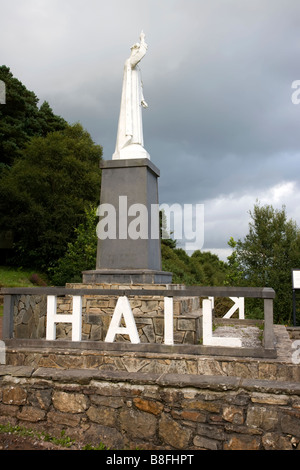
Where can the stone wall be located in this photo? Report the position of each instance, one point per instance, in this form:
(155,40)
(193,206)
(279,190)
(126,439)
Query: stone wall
(149,411)
(30,317)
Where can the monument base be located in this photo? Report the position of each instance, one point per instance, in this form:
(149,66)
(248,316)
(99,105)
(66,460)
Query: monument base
(126,276)
(124,185)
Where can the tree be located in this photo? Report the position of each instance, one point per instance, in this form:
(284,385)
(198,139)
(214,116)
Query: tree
(267,255)
(234,275)
(21,119)
(48,121)
(44,194)
(176,260)
(209,270)
(201,268)
(81,253)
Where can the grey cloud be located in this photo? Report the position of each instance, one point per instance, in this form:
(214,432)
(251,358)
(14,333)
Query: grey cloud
(217,77)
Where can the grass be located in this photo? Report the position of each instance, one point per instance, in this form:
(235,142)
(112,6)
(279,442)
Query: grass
(100,446)
(15,277)
(62,441)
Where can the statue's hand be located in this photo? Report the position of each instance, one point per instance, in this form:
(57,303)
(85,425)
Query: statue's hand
(142,36)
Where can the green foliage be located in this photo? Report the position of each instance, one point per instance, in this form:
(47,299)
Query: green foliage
(202,268)
(44,194)
(48,121)
(21,119)
(208,268)
(267,255)
(80,254)
(100,446)
(49,172)
(63,441)
(173,260)
(234,275)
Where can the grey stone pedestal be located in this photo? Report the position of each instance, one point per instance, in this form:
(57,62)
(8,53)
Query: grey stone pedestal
(123,259)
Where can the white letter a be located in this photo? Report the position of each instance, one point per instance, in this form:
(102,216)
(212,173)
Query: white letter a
(122,308)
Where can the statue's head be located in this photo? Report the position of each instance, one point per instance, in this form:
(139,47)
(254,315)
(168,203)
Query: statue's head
(135,46)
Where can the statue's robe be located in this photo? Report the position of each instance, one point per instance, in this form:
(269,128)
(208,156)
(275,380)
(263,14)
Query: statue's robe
(130,141)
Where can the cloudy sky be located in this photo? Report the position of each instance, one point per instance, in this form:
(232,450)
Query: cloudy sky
(221,125)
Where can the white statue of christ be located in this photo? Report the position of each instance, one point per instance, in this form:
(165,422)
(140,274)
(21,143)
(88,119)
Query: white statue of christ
(130,141)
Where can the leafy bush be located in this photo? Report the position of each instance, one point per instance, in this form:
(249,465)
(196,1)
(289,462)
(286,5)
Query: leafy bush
(80,254)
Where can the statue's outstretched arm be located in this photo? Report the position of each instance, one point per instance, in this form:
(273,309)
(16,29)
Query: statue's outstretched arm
(138,51)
